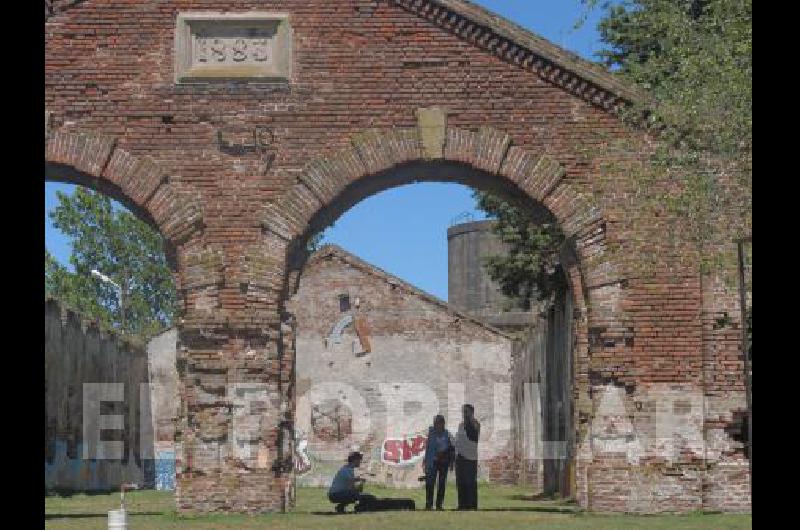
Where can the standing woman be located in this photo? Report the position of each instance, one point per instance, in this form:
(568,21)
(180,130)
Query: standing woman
(438,459)
(469,431)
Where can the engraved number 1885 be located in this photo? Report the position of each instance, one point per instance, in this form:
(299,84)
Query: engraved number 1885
(219,50)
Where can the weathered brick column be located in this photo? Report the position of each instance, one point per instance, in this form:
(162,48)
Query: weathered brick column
(235,363)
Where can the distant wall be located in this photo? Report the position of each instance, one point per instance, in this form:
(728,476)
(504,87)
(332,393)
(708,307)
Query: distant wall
(165,402)
(382,401)
(78,353)
(543,402)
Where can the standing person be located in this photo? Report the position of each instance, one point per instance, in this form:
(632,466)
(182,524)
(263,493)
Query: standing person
(346,487)
(469,431)
(438,459)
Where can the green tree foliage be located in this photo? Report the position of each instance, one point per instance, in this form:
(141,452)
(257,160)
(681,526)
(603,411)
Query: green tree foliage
(125,249)
(694,57)
(317,241)
(530,270)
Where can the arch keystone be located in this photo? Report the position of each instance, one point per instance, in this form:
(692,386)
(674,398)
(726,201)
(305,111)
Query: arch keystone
(432,131)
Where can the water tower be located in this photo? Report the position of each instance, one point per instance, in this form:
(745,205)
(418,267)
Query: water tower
(470,288)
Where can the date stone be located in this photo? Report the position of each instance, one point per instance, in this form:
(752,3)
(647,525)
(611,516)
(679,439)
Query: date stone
(211,46)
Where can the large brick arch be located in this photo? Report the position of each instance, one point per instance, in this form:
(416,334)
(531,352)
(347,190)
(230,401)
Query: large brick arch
(95,161)
(484,158)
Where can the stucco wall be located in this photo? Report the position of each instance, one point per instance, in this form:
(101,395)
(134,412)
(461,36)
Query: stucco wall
(78,356)
(165,403)
(424,359)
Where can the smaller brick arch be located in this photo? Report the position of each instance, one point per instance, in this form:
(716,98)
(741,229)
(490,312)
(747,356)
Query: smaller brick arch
(94,160)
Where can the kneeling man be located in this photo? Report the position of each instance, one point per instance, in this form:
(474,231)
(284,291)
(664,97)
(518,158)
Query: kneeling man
(346,487)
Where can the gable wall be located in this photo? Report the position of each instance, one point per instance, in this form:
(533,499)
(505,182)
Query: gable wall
(419,354)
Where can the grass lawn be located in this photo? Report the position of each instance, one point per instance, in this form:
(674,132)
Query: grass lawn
(505,507)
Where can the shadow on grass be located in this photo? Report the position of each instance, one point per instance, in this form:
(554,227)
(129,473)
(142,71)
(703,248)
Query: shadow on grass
(542,497)
(66,494)
(91,515)
(537,497)
(545,509)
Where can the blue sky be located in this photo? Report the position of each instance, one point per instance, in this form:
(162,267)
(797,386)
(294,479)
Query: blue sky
(404,230)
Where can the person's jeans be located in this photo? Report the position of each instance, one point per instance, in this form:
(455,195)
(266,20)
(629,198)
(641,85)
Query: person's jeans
(467,483)
(439,470)
(348,497)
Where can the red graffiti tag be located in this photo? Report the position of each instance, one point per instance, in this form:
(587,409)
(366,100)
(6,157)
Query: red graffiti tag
(403,450)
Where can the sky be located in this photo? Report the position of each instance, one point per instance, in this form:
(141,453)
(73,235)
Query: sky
(404,230)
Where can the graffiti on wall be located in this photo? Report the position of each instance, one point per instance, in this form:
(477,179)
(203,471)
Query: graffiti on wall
(302,460)
(361,345)
(335,336)
(165,470)
(403,451)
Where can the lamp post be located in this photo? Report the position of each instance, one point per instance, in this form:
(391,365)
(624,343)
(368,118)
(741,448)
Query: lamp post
(120,295)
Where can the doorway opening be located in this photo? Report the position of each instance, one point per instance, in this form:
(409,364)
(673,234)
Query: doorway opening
(398,353)
(111,399)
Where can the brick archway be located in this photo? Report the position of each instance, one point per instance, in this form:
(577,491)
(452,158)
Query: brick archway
(94,160)
(538,175)
(486,158)
(263,164)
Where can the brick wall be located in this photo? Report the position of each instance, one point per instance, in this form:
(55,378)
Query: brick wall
(424,358)
(117,120)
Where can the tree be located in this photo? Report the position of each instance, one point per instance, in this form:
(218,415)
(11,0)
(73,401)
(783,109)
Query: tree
(695,58)
(317,241)
(124,248)
(529,272)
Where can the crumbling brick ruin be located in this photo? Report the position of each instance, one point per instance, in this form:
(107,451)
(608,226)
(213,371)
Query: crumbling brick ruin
(239,148)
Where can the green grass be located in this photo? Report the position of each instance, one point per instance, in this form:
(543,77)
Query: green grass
(506,507)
